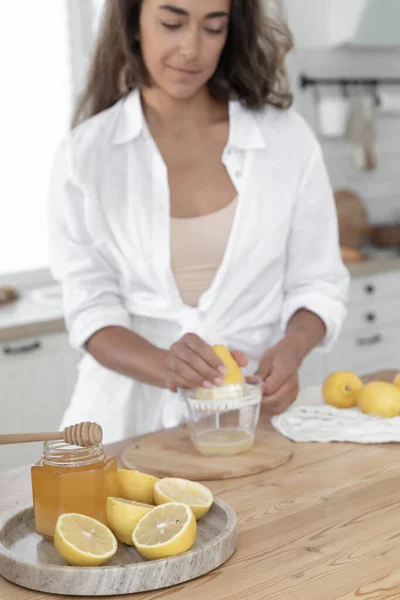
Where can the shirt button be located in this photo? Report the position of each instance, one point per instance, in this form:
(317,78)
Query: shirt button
(238,174)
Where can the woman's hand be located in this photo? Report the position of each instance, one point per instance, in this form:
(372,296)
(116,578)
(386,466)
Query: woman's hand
(278,368)
(191,363)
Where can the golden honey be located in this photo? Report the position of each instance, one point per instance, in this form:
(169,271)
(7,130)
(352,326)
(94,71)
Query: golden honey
(71,479)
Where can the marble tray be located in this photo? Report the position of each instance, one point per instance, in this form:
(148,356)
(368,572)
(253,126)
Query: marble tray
(30,561)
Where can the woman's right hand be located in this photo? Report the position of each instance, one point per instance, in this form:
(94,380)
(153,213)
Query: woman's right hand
(191,363)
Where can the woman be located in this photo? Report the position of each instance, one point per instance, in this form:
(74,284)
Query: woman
(190,207)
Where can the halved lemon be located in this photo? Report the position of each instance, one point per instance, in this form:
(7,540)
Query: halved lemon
(234,374)
(197,496)
(137,486)
(123,516)
(166,530)
(82,541)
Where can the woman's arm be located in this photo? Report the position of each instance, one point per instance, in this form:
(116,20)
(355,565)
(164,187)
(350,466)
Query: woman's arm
(91,292)
(190,362)
(316,278)
(279,365)
(128,353)
(305,331)
(95,315)
(315,287)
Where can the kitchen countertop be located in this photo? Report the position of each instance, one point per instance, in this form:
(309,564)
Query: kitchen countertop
(324,526)
(28,316)
(374,266)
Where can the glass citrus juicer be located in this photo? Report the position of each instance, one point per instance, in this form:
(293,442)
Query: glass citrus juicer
(222,421)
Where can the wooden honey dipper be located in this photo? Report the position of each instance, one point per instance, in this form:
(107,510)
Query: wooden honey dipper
(82,434)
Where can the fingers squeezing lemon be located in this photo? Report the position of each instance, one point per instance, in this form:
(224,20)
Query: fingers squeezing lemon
(234,374)
(233,378)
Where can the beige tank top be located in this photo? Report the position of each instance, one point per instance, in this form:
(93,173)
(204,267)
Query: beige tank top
(197,248)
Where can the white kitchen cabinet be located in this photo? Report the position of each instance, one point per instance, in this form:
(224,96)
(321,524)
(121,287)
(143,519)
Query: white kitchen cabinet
(313,369)
(370,338)
(37,376)
(364,353)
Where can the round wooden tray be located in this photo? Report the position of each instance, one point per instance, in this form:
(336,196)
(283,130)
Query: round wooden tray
(169,453)
(31,561)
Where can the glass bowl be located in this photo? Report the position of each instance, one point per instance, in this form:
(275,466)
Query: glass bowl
(222,421)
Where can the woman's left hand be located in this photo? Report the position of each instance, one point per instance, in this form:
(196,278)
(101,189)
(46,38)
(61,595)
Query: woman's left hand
(278,368)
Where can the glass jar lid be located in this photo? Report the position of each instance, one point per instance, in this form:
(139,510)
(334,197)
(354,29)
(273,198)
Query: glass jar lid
(58,453)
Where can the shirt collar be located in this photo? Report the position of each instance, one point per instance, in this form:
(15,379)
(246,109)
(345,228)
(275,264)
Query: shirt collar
(131,120)
(244,129)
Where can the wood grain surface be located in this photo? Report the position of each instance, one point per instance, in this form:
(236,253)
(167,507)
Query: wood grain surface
(170,454)
(323,526)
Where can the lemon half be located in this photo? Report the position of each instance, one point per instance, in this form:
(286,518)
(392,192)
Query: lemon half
(197,496)
(234,374)
(165,531)
(123,516)
(137,486)
(82,541)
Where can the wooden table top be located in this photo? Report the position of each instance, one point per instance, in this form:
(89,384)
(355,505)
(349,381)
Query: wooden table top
(324,526)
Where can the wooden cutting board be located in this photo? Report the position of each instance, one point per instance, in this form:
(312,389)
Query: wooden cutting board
(169,453)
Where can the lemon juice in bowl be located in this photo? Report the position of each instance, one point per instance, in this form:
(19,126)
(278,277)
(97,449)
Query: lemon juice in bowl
(223,442)
(222,421)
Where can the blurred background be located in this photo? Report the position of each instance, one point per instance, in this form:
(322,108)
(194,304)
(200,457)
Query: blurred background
(44,50)
(345,77)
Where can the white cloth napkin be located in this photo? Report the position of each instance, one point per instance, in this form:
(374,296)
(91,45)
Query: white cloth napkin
(309,419)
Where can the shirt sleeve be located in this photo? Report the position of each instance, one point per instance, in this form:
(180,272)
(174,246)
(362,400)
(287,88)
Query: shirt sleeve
(91,294)
(316,278)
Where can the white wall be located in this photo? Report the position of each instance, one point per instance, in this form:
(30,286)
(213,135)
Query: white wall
(344,17)
(35,106)
(324,22)
(380,189)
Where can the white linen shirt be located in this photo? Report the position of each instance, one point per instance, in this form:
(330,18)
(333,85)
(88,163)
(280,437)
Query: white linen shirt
(109,222)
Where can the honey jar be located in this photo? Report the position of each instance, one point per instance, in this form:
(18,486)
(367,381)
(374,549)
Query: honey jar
(71,479)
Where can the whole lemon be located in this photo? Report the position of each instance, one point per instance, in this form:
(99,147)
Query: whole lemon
(341,389)
(380,398)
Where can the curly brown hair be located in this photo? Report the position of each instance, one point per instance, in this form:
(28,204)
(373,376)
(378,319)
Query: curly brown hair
(251,68)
